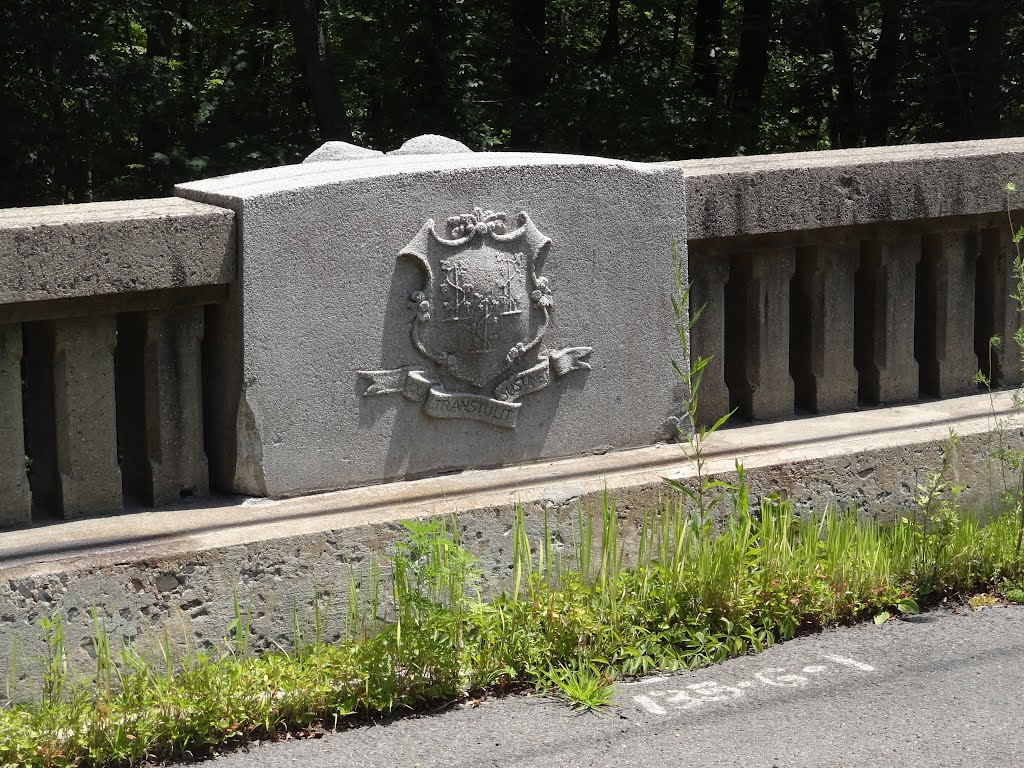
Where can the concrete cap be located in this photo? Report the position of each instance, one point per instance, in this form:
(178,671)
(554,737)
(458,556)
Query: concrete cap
(89,249)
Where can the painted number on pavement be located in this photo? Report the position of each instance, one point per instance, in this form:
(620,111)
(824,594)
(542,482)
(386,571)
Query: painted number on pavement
(660,702)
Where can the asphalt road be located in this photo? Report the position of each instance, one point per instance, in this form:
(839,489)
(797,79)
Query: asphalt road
(943,689)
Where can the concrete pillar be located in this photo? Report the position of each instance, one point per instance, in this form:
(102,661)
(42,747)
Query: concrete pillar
(709,273)
(885,312)
(15,496)
(760,381)
(173,397)
(945,330)
(824,375)
(88,475)
(997,312)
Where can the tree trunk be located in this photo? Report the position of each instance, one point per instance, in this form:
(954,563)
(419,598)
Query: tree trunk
(751,69)
(609,48)
(953,92)
(311,47)
(707,43)
(527,75)
(841,26)
(607,53)
(885,71)
(988,70)
(677,23)
(155,131)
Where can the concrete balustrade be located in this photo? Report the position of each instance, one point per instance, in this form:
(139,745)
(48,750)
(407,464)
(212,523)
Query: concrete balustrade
(101,330)
(903,269)
(827,280)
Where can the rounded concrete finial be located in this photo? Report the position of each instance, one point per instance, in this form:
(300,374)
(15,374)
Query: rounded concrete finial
(331,151)
(431,144)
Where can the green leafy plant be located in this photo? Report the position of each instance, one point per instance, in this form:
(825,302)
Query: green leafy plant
(706,493)
(586,689)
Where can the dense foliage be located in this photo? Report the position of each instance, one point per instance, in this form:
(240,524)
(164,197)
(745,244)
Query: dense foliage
(107,100)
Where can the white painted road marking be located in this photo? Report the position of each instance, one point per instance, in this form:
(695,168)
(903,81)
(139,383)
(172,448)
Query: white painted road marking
(650,705)
(697,694)
(850,663)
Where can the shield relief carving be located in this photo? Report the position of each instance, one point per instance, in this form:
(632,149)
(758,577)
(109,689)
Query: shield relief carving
(480,317)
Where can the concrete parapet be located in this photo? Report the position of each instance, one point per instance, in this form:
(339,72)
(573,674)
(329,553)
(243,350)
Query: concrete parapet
(93,249)
(15,495)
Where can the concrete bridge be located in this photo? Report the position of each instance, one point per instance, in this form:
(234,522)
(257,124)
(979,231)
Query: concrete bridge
(281,335)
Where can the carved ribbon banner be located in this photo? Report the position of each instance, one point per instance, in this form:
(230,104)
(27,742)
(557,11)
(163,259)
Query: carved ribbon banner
(441,403)
(552,364)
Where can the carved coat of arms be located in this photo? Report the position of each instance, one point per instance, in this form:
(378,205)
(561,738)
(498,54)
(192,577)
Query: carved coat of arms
(480,317)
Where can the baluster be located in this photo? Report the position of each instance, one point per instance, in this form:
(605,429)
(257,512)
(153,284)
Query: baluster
(825,377)
(945,328)
(172,385)
(88,475)
(884,317)
(997,313)
(760,382)
(15,496)
(709,273)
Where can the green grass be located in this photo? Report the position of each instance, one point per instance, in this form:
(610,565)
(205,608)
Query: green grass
(572,620)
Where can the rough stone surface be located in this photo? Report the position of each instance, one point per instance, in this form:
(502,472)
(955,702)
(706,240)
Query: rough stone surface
(431,144)
(175,571)
(825,378)
(15,496)
(946,355)
(63,251)
(88,475)
(353,275)
(760,382)
(887,286)
(333,151)
(735,196)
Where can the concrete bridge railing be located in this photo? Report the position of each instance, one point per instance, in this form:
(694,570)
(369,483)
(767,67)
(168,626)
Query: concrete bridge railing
(828,280)
(101,341)
(861,276)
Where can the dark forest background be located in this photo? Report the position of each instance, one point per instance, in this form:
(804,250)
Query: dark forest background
(106,99)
